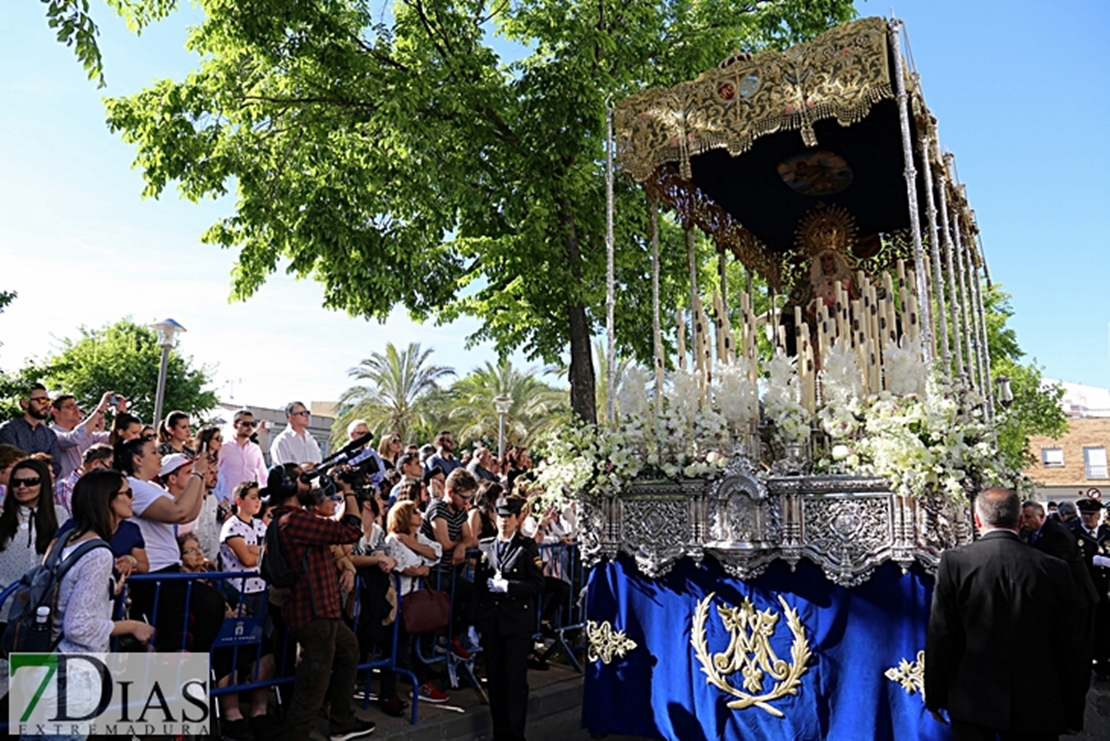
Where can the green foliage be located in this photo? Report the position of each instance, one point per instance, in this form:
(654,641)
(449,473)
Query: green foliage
(395,391)
(1036,409)
(12,388)
(537,407)
(389,152)
(125,357)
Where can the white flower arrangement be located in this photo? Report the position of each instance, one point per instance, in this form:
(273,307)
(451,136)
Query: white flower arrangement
(781,401)
(922,435)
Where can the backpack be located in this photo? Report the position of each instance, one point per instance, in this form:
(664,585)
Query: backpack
(274,568)
(37,588)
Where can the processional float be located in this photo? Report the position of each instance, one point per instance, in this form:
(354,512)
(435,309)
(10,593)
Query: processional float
(764,523)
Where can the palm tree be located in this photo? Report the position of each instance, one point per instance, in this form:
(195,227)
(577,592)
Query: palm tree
(537,407)
(392,391)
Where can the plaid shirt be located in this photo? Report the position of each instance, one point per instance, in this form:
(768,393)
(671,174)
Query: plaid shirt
(316,593)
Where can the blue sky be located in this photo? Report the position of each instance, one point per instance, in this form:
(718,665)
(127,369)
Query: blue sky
(1016,88)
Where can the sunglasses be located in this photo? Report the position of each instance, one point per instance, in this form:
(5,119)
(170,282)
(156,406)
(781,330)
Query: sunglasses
(335,497)
(16,483)
(40,399)
(149,437)
(302,413)
(126,493)
(248,424)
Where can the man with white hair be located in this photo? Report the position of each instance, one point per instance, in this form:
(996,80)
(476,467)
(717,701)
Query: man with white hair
(481,464)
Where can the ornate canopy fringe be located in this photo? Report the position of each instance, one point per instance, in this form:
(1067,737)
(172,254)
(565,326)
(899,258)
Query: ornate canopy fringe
(841,74)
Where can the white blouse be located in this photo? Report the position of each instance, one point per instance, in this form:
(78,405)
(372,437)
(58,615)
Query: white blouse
(407,558)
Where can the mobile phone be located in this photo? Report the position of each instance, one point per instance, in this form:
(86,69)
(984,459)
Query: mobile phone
(113,401)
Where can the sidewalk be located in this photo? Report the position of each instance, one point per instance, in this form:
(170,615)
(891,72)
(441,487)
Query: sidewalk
(554,706)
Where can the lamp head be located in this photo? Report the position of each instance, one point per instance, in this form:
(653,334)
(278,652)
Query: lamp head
(503,404)
(167,330)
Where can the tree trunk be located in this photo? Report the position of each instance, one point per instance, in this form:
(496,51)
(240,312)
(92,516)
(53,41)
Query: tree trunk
(583,395)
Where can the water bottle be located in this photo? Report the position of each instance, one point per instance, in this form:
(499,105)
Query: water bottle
(42,619)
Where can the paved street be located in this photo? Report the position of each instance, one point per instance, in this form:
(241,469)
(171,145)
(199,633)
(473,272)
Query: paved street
(555,711)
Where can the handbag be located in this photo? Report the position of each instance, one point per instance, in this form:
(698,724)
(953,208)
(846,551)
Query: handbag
(425,610)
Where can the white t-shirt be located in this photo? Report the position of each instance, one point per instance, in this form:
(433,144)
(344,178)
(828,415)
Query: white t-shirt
(161,543)
(407,558)
(252,533)
(206,528)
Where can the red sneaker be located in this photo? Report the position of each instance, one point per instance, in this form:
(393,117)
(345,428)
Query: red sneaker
(428,693)
(458,649)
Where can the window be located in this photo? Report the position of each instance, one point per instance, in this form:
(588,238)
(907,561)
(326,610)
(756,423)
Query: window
(1094,459)
(1052,457)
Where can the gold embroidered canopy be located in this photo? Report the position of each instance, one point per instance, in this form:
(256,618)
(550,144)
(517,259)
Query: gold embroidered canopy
(748,150)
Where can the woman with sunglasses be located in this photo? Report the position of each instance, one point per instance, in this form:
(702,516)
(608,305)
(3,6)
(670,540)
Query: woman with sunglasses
(101,503)
(83,613)
(390,449)
(211,438)
(156,512)
(29,520)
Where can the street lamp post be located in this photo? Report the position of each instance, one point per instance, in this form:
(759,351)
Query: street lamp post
(167,330)
(503,404)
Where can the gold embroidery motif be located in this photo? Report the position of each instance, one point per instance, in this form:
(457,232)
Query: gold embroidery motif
(841,74)
(911,675)
(606,642)
(749,652)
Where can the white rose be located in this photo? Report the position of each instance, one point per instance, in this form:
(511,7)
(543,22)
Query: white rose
(840,452)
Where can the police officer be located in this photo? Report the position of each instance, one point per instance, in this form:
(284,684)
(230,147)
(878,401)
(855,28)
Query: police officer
(508,580)
(1093,539)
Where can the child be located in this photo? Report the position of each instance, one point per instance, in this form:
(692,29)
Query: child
(241,539)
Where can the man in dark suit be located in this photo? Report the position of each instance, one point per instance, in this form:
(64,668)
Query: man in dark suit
(1051,537)
(508,580)
(991,598)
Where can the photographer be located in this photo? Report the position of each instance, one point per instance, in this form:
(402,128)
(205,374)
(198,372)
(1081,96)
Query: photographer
(311,611)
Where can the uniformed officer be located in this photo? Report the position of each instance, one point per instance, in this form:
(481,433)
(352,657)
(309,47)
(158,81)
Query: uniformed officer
(508,581)
(1093,539)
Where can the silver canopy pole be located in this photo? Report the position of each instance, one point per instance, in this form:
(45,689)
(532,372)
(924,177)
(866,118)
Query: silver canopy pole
(920,266)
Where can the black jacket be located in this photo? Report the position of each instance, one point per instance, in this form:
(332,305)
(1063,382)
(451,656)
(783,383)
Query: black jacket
(1055,539)
(513,612)
(993,599)
(1089,547)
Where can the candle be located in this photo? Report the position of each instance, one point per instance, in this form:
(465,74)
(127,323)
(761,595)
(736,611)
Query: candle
(681,323)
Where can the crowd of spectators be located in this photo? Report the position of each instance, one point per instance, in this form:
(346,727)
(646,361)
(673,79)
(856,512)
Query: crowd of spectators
(185,498)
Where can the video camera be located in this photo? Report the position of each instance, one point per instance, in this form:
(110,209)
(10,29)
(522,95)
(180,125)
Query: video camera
(358,461)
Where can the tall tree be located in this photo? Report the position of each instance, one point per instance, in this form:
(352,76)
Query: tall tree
(392,392)
(390,151)
(125,357)
(536,407)
(1036,409)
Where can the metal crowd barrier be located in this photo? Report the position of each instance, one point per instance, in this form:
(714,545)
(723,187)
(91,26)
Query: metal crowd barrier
(242,631)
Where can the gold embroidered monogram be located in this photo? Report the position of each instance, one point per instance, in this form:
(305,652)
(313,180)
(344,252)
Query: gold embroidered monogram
(750,654)
(606,642)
